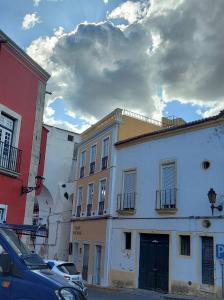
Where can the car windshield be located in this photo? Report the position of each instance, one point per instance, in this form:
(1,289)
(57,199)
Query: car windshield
(32,260)
(68,268)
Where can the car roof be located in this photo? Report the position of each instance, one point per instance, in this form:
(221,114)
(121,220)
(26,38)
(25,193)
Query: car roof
(57,262)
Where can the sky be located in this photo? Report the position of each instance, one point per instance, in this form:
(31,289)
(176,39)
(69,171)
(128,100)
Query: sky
(153,57)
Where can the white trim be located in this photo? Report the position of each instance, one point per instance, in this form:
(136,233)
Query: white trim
(99,192)
(17,123)
(5,209)
(101,154)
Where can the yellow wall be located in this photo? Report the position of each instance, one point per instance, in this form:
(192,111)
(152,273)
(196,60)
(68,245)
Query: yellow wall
(132,127)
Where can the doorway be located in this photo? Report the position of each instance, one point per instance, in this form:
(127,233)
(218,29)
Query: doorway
(154,262)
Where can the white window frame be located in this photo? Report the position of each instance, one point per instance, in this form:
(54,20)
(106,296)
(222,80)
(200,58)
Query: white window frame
(99,194)
(82,163)
(79,202)
(104,139)
(129,171)
(91,183)
(4,207)
(17,123)
(91,160)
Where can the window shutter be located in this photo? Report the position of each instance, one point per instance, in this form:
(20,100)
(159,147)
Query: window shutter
(168,176)
(129,182)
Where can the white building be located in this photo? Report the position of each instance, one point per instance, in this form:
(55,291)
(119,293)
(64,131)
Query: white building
(162,222)
(54,204)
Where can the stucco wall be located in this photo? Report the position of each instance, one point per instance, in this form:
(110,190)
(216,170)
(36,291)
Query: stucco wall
(188,150)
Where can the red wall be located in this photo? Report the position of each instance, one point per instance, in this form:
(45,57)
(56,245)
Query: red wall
(18,91)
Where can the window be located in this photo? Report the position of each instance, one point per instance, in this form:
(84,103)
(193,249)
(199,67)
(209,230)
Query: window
(185,245)
(82,163)
(168,185)
(90,198)
(129,187)
(93,154)
(92,159)
(102,195)
(70,138)
(3,212)
(4,262)
(105,153)
(127,236)
(10,156)
(79,201)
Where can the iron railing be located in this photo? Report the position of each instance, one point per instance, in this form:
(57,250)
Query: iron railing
(166,199)
(81,172)
(10,157)
(89,209)
(126,201)
(78,210)
(92,167)
(101,207)
(104,162)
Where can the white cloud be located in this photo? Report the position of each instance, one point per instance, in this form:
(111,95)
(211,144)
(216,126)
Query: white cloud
(36,2)
(105,1)
(130,11)
(175,45)
(30,20)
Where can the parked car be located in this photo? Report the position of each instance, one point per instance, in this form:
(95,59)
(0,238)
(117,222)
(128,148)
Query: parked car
(68,271)
(24,274)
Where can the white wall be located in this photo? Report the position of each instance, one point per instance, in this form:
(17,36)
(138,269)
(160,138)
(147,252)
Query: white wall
(193,184)
(59,173)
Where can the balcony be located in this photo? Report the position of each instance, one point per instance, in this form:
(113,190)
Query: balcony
(166,201)
(101,208)
(10,158)
(89,209)
(104,162)
(78,211)
(92,167)
(81,172)
(126,203)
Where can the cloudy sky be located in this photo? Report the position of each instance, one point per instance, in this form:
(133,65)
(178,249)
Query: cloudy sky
(154,57)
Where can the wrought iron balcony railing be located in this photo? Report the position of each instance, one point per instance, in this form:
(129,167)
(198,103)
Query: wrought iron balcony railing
(89,209)
(78,211)
(10,157)
(104,162)
(166,199)
(81,172)
(92,167)
(126,202)
(101,208)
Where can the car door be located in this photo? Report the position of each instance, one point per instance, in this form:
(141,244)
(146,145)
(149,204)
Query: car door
(5,279)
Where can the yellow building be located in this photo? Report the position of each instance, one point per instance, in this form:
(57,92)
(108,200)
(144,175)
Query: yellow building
(95,196)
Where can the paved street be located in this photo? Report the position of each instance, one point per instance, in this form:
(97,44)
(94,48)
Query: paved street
(104,294)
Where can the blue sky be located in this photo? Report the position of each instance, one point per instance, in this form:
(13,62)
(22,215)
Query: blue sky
(26,21)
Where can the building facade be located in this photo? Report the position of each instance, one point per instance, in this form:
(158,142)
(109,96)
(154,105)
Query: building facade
(162,224)
(92,209)
(53,205)
(22,96)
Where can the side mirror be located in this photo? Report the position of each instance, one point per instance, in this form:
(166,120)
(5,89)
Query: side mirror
(5,264)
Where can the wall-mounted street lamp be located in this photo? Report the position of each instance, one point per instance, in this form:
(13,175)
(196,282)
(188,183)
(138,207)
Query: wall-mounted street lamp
(212,200)
(28,189)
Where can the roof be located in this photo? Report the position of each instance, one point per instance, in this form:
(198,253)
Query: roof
(173,129)
(4,38)
(69,131)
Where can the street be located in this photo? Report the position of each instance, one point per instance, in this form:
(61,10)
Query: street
(105,294)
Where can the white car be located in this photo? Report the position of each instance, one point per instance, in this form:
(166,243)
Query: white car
(68,271)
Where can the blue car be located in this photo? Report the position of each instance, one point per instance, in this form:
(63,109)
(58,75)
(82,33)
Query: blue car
(24,275)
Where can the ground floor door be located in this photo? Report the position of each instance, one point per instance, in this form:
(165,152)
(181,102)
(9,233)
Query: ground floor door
(207,260)
(154,262)
(98,264)
(85,262)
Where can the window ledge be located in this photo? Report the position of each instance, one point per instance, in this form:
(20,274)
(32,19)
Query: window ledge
(164,211)
(8,172)
(126,212)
